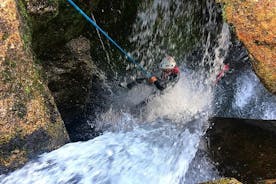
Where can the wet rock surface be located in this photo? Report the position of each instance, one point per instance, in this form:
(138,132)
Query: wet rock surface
(243,149)
(223,181)
(73,64)
(269,181)
(71,74)
(29,121)
(255,25)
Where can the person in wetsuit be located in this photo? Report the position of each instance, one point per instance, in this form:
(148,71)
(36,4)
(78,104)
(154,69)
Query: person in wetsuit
(169,76)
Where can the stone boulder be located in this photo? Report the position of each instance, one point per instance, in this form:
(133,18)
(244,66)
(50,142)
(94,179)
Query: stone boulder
(29,121)
(270,181)
(255,25)
(223,181)
(243,149)
(69,71)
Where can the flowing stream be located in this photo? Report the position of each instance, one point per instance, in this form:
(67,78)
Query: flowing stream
(160,142)
(156,148)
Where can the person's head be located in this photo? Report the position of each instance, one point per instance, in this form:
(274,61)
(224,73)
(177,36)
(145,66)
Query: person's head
(167,64)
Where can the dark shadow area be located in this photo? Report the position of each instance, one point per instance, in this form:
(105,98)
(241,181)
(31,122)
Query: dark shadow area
(243,149)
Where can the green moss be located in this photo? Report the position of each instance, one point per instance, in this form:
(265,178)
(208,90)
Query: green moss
(7,76)
(27,90)
(38,81)
(9,63)
(20,109)
(223,12)
(23,10)
(26,24)
(26,40)
(5,36)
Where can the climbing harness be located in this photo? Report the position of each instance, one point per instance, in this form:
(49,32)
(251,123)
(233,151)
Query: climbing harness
(110,39)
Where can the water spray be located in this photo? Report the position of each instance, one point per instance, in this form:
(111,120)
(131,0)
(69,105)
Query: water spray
(127,55)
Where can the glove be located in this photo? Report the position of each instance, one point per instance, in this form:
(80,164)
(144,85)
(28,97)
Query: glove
(159,85)
(152,79)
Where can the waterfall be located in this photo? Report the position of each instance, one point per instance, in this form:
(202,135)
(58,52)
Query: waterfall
(157,142)
(161,141)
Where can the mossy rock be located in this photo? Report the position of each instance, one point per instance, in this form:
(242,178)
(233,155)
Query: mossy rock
(29,121)
(255,25)
(223,181)
(269,181)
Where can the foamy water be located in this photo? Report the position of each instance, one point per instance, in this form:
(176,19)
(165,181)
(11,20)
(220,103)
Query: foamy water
(154,153)
(252,100)
(184,101)
(159,142)
(156,143)
(157,147)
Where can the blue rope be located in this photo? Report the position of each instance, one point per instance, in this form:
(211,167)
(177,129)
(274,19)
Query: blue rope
(110,39)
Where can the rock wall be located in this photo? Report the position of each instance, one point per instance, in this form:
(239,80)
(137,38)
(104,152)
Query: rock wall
(255,25)
(223,181)
(29,121)
(70,54)
(243,149)
(70,72)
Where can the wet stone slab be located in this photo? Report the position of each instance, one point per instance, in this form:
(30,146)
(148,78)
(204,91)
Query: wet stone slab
(243,149)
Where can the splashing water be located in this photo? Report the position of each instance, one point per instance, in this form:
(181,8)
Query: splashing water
(137,151)
(165,27)
(162,144)
(220,52)
(176,103)
(156,147)
(251,99)
(143,155)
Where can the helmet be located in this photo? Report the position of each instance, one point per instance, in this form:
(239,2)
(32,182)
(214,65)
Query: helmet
(167,63)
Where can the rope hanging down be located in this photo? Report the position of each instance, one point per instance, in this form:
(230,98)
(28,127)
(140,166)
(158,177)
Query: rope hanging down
(110,39)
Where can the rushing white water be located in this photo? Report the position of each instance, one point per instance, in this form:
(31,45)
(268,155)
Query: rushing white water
(156,151)
(216,58)
(251,99)
(175,103)
(159,142)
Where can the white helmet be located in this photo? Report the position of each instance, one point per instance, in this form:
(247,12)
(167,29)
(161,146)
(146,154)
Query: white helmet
(167,63)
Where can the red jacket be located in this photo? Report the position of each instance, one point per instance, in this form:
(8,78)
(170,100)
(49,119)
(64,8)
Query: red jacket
(168,78)
(175,72)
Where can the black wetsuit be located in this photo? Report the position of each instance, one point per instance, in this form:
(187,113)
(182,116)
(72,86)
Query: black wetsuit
(166,79)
